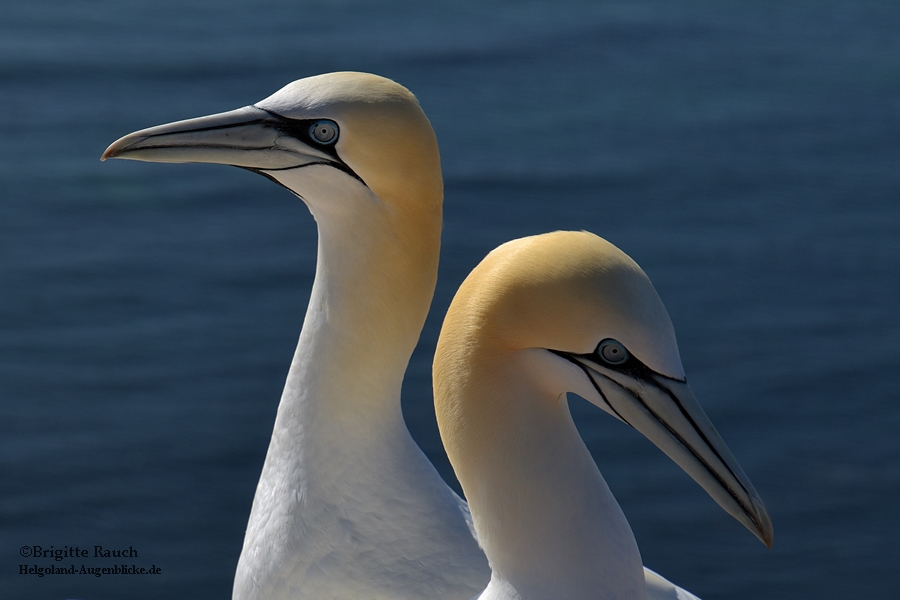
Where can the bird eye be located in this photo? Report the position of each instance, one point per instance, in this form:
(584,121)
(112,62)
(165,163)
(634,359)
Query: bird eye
(324,132)
(612,352)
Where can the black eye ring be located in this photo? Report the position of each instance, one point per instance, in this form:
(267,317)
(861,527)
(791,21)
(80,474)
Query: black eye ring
(324,131)
(612,352)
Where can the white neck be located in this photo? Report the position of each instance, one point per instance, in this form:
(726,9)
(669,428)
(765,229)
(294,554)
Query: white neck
(545,517)
(346,498)
(369,300)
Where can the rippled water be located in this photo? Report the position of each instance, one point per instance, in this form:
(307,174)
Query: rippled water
(745,154)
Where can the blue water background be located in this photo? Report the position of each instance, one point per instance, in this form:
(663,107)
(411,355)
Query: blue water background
(746,154)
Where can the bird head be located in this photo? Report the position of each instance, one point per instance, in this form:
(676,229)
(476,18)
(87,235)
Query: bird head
(323,137)
(586,319)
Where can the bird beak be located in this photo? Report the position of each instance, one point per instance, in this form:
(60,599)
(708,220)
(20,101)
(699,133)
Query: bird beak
(248,137)
(666,412)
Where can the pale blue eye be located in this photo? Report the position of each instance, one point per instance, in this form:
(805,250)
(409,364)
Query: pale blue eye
(612,352)
(324,131)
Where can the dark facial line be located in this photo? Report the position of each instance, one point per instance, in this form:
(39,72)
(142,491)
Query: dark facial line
(328,163)
(632,367)
(299,130)
(571,358)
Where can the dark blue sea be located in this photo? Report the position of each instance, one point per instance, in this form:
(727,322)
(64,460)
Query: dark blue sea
(746,154)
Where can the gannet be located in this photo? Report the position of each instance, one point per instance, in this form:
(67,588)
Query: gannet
(347,505)
(540,317)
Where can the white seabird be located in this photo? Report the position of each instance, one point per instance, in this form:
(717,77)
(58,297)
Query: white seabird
(347,505)
(540,317)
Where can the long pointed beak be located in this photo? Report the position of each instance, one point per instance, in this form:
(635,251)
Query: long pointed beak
(666,412)
(247,137)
